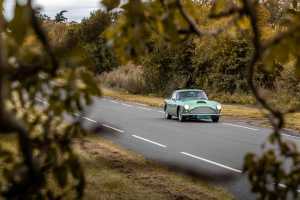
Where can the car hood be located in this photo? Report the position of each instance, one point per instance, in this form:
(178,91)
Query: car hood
(200,103)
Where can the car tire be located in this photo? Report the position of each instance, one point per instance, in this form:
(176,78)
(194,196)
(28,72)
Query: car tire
(215,119)
(181,118)
(167,115)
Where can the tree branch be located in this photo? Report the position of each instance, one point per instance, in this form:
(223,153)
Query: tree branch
(194,28)
(8,124)
(250,11)
(193,25)
(229,12)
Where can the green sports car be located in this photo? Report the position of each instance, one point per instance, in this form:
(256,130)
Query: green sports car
(192,103)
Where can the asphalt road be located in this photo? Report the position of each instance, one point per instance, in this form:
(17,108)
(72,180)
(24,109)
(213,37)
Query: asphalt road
(212,151)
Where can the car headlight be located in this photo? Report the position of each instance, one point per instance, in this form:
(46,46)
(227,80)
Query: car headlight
(186,107)
(219,107)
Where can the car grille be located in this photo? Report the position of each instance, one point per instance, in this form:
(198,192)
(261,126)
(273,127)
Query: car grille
(203,110)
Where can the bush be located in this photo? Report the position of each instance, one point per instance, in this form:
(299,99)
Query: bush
(128,77)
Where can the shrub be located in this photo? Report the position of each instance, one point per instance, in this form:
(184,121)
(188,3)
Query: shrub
(128,77)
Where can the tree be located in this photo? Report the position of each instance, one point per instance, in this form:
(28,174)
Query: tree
(176,19)
(90,34)
(42,16)
(60,17)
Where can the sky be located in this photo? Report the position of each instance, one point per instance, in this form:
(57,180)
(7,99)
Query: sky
(77,9)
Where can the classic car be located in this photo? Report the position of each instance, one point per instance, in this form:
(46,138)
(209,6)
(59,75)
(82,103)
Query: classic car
(191,103)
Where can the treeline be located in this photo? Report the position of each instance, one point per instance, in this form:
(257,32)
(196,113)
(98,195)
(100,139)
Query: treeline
(85,39)
(217,64)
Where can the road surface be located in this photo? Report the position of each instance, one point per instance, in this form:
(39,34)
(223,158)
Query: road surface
(212,151)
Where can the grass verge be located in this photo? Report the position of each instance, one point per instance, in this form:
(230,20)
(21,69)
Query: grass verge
(251,114)
(115,173)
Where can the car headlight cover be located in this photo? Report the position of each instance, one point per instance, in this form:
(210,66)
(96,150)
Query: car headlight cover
(219,107)
(186,107)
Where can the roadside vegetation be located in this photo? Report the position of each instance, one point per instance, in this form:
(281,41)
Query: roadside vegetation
(216,64)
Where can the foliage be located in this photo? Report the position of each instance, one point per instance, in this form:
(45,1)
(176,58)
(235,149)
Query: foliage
(169,67)
(197,63)
(128,77)
(60,17)
(32,69)
(89,33)
(42,16)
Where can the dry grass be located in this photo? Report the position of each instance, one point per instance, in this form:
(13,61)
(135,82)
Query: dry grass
(249,113)
(149,100)
(114,173)
(127,77)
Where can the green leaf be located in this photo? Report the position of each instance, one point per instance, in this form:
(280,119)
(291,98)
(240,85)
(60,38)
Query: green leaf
(111,4)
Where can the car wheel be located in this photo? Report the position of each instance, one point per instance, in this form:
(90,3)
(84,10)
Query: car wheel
(181,118)
(215,119)
(167,115)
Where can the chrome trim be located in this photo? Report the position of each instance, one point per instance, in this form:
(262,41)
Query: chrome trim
(203,110)
(207,114)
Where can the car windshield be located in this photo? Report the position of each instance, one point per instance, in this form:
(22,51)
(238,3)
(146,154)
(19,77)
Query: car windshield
(193,94)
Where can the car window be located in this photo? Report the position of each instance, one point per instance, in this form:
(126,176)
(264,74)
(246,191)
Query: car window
(192,95)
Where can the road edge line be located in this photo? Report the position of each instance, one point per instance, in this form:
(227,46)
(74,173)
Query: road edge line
(212,162)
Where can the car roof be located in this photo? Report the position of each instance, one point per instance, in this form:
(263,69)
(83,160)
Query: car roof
(186,90)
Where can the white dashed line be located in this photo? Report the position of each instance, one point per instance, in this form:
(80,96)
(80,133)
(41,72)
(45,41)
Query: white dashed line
(161,111)
(211,162)
(239,126)
(89,119)
(127,105)
(114,101)
(140,104)
(86,118)
(284,186)
(113,128)
(148,109)
(146,140)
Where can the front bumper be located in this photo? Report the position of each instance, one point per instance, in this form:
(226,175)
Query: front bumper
(201,111)
(202,114)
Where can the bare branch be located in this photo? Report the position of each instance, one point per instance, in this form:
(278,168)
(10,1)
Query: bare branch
(194,28)
(250,12)
(193,25)
(227,13)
